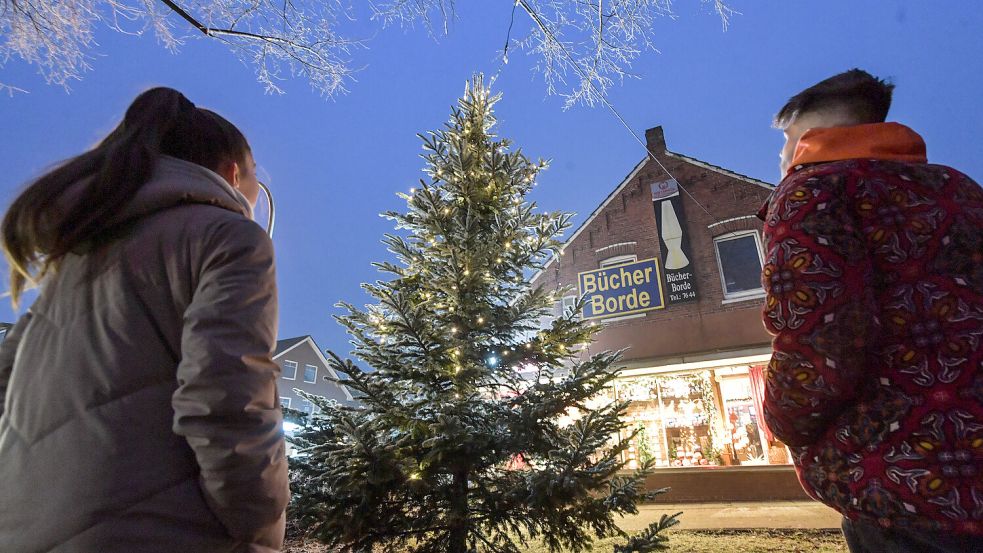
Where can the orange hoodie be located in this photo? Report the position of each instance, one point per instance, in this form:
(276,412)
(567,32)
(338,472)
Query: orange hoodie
(890,141)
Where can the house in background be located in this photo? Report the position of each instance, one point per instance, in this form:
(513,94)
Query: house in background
(669,267)
(304,367)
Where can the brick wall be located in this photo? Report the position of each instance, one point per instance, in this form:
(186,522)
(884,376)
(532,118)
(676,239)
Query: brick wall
(706,325)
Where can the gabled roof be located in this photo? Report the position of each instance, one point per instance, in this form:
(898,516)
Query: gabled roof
(284,346)
(614,193)
(721,170)
(634,172)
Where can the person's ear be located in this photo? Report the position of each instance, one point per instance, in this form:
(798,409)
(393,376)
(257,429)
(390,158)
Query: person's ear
(229,170)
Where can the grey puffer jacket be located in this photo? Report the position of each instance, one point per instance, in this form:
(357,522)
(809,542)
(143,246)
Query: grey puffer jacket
(139,405)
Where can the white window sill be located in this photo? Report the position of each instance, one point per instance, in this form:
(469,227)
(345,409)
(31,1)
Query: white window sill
(758,296)
(625,318)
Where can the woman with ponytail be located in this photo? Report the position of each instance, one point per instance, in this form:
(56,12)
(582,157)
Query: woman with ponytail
(138,401)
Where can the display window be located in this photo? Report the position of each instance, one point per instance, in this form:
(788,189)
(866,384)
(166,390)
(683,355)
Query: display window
(705,418)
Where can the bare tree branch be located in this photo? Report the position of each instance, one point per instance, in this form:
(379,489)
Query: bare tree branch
(580,47)
(280,38)
(11,90)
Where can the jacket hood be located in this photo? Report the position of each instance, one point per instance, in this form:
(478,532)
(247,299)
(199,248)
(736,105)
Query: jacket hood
(176,182)
(887,141)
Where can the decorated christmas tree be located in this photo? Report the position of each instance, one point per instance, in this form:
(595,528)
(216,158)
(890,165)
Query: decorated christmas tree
(474,432)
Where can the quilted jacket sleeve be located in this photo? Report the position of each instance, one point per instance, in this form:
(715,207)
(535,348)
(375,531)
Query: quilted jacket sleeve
(226,405)
(819,307)
(8,351)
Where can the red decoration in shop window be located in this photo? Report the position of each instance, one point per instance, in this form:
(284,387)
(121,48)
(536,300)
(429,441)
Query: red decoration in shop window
(518,462)
(757,377)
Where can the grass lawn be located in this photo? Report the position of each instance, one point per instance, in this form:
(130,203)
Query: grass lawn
(715,541)
(744,541)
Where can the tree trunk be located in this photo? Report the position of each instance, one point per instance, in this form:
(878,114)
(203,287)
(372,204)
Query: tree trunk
(458,515)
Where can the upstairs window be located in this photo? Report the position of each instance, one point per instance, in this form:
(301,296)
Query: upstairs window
(289,370)
(310,374)
(739,260)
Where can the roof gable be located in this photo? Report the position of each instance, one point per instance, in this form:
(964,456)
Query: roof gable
(283,346)
(631,176)
(719,169)
(293,343)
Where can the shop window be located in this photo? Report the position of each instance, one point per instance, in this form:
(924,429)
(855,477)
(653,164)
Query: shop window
(696,419)
(739,260)
(676,420)
(743,420)
(289,370)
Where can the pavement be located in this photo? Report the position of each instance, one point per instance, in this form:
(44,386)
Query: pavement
(734,515)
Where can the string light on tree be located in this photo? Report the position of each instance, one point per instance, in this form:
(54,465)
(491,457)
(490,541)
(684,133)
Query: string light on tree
(435,398)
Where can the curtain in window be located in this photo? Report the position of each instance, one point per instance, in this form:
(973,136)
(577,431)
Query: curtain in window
(757,376)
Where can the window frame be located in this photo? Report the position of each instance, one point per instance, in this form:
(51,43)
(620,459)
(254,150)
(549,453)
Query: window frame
(568,303)
(310,405)
(307,366)
(283,375)
(617,260)
(754,293)
(287,406)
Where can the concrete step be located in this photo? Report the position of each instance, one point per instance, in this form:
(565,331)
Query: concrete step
(704,516)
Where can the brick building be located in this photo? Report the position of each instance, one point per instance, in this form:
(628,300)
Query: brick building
(670,265)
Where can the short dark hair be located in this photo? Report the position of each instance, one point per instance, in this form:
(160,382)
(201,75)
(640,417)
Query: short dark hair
(863,96)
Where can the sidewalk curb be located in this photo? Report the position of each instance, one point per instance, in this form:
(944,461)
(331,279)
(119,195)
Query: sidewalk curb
(777,515)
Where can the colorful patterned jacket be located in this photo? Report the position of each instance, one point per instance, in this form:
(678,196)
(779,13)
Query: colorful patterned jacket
(874,281)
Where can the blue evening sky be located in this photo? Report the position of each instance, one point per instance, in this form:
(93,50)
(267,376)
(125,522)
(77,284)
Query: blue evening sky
(336,164)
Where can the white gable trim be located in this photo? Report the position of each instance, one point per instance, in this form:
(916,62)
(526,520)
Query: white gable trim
(731,220)
(593,214)
(284,352)
(721,170)
(628,179)
(334,374)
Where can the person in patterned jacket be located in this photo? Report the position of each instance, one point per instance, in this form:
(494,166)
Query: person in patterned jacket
(874,281)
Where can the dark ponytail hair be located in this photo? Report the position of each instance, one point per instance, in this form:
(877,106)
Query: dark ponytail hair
(39,229)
